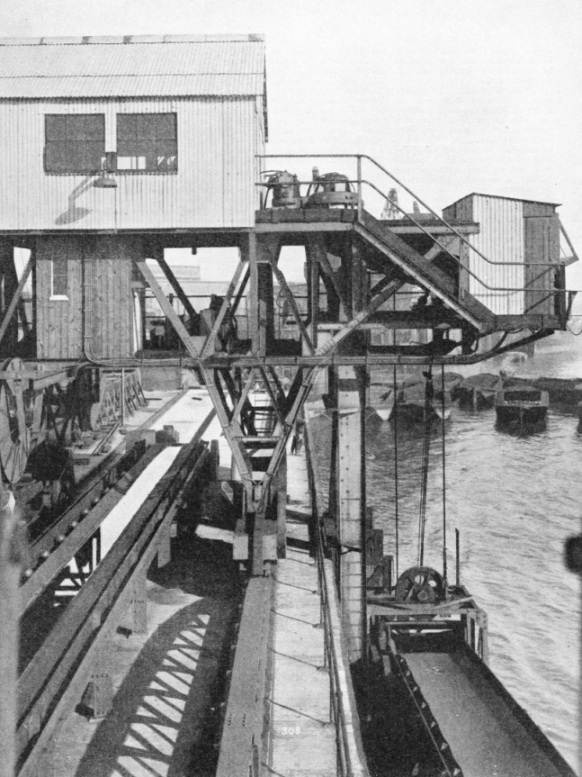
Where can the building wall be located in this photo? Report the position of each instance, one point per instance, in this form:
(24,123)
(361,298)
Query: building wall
(500,239)
(525,234)
(213,188)
(95,317)
(542,245)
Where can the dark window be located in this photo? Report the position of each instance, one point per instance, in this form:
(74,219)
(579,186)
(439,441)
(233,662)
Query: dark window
(74,144)
(147,142)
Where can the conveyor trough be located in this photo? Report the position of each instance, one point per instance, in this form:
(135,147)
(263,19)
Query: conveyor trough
(488,732)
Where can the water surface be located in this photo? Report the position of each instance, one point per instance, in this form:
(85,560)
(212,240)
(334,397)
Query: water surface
(514,500)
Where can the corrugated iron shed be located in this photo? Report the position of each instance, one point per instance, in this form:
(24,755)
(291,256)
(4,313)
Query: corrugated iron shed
(132,66)
(500,197)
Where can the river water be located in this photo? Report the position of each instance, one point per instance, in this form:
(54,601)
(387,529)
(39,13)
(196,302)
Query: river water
(514,501)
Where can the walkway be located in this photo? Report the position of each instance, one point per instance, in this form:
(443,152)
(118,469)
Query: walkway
(302,738)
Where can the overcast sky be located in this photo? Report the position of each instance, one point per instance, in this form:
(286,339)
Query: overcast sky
(453,96)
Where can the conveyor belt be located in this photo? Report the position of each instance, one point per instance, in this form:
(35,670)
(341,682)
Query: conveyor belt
(488,733)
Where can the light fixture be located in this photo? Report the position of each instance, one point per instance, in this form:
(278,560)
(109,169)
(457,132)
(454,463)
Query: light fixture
(105,180)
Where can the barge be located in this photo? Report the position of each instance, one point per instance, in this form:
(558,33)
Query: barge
(521,408)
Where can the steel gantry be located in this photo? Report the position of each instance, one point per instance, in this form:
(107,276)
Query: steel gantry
(354,266)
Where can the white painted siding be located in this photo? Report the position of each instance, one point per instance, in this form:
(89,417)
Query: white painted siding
(213,188)
(501,239)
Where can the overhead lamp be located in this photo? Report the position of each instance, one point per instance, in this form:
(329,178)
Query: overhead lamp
(105,179)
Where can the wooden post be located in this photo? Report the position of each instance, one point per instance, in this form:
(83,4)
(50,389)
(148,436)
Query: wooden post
(349,466)
(140,603)
(251,250)
(351,509)
(102,681)
(165,548)
(281,489)
(313,276)
(10,559)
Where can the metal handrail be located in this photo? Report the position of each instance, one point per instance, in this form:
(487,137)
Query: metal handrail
(350,753)
(398,182)
(359,181)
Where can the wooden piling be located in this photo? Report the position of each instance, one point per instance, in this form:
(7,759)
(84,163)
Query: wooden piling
(10,558)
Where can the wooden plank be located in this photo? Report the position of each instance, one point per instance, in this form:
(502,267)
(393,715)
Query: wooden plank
(86,528)
(281,489)
(319,215)
(304,228)
(243,722)
(434,227)
(285,215)
(263,216)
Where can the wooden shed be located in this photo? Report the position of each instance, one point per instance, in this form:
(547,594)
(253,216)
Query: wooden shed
(518,242)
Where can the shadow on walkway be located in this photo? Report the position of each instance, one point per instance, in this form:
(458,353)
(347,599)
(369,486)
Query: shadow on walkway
(162,721)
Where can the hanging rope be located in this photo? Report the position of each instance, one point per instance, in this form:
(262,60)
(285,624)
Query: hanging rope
(395,430)
(445,582)
(428,397)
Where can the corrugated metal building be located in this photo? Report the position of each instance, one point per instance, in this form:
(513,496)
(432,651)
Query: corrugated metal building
(196,169)
(521,241)
(136,135)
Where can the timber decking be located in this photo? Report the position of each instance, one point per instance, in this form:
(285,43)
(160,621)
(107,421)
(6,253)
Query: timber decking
(302,736)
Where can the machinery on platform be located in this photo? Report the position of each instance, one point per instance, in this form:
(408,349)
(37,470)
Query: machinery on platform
(47,413)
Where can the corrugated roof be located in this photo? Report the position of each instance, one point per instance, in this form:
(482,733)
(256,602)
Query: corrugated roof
(189,66)
(501,197)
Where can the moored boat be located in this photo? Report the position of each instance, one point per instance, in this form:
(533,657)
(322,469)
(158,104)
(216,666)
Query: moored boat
(410,397)
(446,384)
(521,407)
(412,408)
(478,391)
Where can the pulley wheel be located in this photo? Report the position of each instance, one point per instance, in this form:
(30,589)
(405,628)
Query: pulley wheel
(419,585)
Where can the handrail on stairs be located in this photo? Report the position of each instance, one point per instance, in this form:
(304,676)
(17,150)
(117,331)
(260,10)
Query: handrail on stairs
(359,181)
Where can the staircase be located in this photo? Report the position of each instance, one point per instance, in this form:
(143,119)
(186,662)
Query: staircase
(423,272)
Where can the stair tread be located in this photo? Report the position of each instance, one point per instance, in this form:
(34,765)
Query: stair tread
(424,269)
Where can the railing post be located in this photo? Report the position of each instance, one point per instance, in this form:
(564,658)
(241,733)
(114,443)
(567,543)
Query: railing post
(359,177)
